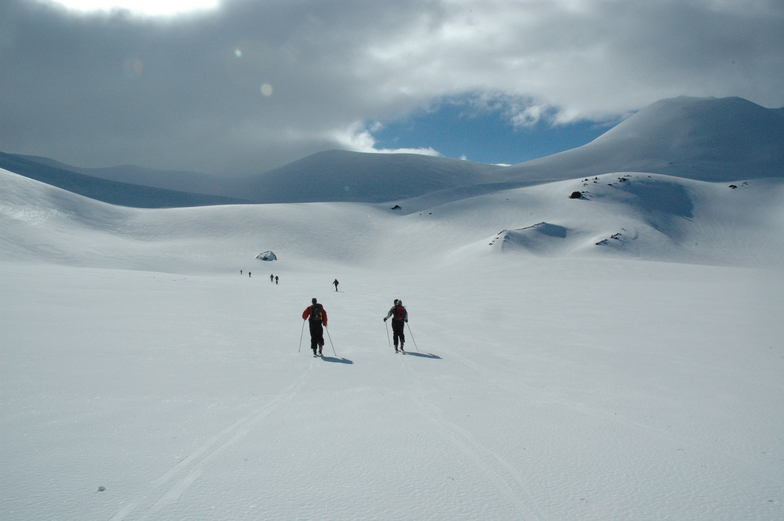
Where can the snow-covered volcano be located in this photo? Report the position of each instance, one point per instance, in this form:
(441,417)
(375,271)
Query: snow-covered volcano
(613,356)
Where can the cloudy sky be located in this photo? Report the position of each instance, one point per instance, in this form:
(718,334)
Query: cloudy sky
(243,86)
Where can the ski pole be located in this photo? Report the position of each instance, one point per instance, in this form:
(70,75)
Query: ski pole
(387,328)
(412,337)
(300,336)
(330,340)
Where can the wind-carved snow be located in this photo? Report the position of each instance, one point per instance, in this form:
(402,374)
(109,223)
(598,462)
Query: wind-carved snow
(30,214)
(541,238)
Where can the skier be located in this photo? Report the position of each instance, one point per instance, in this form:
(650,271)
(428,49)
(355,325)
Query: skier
(272,277)
(276,279)
(316,316)
(399,318)
(335,283)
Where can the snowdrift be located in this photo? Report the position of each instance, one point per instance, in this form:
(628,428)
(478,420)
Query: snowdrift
(541,238)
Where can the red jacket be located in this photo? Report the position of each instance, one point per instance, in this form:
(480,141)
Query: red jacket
(309,311)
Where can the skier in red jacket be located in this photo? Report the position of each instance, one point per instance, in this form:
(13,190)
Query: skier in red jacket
(316,315)
(399,318)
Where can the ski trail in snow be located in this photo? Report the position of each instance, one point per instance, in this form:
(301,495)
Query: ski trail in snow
(130,507)
(493,466)
(173,494)
(206,453)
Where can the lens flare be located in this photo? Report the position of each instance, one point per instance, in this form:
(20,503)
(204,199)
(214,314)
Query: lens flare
(266,89)
(133,67)
(238,53)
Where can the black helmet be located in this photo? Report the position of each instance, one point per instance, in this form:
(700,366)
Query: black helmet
(313,300)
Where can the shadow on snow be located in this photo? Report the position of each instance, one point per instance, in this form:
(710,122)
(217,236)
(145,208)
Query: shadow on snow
(423,355)
(336,360)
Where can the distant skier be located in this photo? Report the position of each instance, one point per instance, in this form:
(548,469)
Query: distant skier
(272,277)
(399,318)
(240,272)
(276,279)
(335,283)
(248,274)
(316,315)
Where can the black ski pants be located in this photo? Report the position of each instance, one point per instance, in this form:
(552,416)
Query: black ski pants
(316,334)
(398,332)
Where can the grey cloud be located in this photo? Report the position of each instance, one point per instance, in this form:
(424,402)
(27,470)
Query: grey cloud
(185,93)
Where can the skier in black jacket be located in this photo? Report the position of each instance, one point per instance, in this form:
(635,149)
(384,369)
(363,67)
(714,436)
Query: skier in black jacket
(399,318)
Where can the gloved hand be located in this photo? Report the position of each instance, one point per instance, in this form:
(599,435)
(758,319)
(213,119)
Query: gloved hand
(405,320)
(385,319)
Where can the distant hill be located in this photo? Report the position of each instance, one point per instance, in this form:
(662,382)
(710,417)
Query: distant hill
(108,191)
(333,175)
(179,181)
(338,175)
(705,139)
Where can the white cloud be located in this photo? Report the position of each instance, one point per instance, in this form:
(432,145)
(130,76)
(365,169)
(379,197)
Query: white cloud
(530,116)
(357,138)
(142,7)
(69,92)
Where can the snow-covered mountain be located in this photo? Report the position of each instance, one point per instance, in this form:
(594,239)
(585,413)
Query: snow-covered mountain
(334,175)
(125,191)
(705,139)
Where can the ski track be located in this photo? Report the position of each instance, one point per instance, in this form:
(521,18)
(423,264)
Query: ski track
(206,453)
(498,471)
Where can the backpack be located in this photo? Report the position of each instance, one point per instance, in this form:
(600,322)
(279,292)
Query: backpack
(316,314)
(400,313)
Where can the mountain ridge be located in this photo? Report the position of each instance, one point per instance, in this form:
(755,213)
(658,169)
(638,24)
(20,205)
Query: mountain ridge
(107,190)
(707,139)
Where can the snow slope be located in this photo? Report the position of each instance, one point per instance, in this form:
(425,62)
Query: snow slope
(706,139)
(632,215)
(623,360)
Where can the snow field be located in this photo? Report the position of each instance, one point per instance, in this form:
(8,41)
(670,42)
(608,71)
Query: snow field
(554,379)
(581,390)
